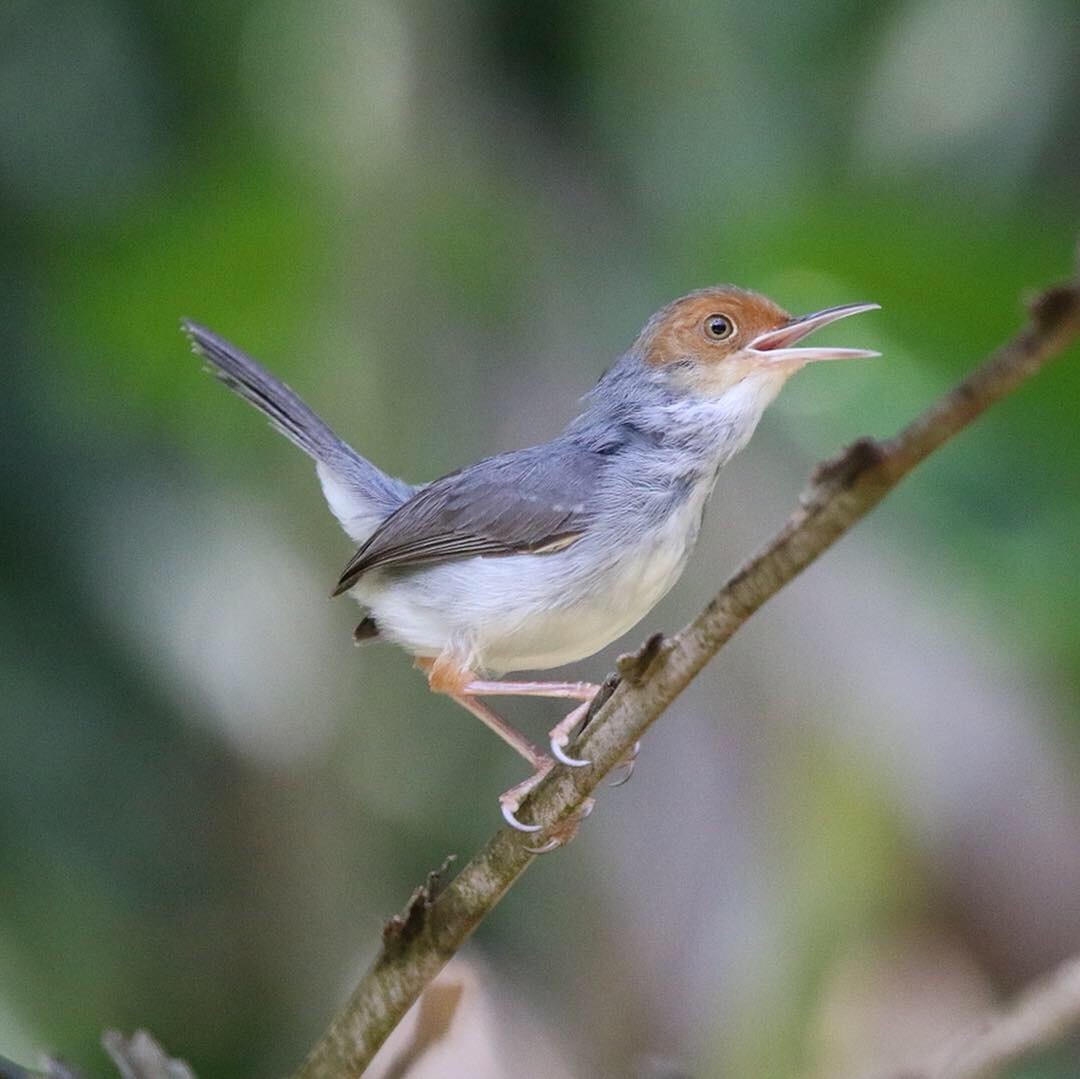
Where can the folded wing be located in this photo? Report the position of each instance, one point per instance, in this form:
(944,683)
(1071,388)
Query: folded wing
(535,500)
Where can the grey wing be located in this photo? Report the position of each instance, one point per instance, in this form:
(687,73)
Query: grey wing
(534,500)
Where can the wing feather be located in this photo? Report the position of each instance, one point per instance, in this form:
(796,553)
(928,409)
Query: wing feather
(533,500)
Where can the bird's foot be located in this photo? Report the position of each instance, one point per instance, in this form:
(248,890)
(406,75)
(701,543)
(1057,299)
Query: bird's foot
(560,737)
(561,733)
(558,835)
(564,832)
(510,800)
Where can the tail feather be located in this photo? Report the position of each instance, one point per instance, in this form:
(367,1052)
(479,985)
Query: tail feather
(359,494)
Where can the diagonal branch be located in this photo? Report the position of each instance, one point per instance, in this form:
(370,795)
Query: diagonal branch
(418,943)
(1040,1015)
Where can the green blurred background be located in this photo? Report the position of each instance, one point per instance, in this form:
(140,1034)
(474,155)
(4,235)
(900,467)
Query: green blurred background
(440,223)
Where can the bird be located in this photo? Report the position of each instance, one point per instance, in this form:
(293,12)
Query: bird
(538,557)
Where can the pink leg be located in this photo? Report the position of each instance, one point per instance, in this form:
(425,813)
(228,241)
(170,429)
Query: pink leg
(445,676)
(559,736)
(510,801)
(575,691)
(494,722)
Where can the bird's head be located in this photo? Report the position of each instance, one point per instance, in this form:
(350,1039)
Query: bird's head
(713,340)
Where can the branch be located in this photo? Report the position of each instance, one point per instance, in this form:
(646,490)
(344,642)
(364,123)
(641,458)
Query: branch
(437,920)
(1042,1014)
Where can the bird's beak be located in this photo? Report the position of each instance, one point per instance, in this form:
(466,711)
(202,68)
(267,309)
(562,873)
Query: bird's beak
(775,346)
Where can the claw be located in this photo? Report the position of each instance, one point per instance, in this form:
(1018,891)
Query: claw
(628,764)
(552,844)
(561,834)
(508,810)
(560,754)
(559,737)
(510,801)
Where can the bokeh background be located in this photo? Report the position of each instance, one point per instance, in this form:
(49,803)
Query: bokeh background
(440,223)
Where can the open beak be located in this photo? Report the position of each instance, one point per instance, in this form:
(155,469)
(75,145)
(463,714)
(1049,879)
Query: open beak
(775,346)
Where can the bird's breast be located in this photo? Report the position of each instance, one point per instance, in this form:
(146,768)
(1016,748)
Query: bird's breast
(584,598)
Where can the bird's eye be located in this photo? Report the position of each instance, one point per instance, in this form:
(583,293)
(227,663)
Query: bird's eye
(719,327)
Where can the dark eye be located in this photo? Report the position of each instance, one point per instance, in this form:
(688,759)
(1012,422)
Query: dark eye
(719,327)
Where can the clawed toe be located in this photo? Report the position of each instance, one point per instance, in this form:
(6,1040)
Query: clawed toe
(563,833)
(559,738)
(558,751)
(510,801)
(552,844)
(627,764)
(558,835)
(508,812)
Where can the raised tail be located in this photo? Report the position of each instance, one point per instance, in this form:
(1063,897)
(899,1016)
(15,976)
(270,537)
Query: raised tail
(359,495)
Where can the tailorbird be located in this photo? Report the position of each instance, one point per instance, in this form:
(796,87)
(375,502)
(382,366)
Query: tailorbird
(541,556)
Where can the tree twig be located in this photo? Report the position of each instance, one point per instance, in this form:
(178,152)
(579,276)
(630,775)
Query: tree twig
(438,920)
(1043,1013)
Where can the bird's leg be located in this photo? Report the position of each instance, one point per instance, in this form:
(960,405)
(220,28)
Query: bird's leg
(510,800)
(512,737)
(559,736)
(444,676)
(575,691)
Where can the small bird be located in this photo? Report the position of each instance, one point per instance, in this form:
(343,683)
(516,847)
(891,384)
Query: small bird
(542,556)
